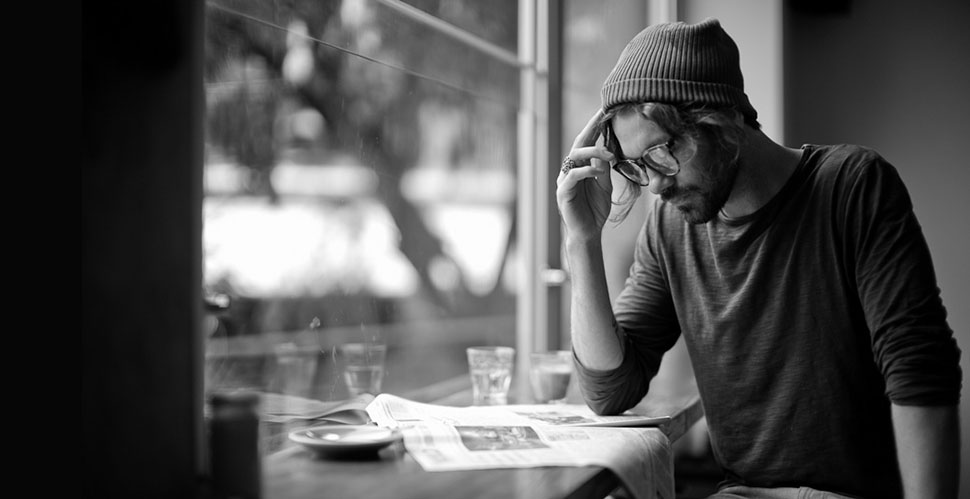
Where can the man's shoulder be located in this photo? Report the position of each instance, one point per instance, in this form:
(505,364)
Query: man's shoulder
(845,164)
(854,174)
(837,157)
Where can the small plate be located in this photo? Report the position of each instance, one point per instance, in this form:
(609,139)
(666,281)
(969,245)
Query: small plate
(346,440)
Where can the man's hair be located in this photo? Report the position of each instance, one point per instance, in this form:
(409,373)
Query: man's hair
(721,127)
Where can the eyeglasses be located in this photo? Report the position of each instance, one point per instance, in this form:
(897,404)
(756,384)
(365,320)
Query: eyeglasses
(658,158)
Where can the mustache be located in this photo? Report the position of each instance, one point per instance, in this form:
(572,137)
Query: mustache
(674,192)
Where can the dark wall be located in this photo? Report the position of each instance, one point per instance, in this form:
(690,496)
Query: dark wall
(893,75)
(141,248)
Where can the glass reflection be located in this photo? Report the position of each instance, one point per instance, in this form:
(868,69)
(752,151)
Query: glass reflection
(360,169)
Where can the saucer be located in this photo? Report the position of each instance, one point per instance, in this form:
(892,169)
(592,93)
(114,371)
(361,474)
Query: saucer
(336,440)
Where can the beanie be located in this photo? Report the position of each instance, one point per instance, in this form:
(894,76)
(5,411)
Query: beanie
(678,63)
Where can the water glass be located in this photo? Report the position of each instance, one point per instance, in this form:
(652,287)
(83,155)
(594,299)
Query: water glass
(363,367)
(549,375)
(294,370)
(491,373)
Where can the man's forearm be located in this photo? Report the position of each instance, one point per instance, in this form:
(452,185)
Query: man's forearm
(928,446)
(593,332)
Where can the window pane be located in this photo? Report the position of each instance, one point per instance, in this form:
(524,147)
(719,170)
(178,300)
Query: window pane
(496,23)
(360,171)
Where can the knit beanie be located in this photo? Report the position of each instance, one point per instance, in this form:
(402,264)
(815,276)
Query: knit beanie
(679,63)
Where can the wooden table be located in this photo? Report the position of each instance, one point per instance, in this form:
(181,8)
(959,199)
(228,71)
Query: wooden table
(295,473)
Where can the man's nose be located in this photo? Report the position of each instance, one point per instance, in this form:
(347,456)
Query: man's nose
(658,182)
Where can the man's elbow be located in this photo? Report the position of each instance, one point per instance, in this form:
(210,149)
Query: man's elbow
(610,404)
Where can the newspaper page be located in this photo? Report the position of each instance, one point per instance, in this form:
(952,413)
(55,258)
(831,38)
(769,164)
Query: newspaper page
(444,438)
(278,408)
(389,410)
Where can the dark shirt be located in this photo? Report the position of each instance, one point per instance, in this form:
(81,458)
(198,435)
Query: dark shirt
(803,321)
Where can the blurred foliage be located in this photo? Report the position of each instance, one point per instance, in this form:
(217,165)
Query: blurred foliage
(261,57)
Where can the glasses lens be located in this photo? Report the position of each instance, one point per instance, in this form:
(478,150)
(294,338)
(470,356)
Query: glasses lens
(632,171)
(663,160)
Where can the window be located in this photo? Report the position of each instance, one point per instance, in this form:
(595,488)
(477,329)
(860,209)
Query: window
(362,172)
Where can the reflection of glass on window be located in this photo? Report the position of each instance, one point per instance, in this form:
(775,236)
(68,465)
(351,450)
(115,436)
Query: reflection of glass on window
(360,170)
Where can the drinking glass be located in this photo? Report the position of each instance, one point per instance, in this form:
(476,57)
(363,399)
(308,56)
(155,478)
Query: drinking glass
(549,375)
(294,370)
(491,373)
(363,367)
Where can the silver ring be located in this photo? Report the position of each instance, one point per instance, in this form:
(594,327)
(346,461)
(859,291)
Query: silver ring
(567,164)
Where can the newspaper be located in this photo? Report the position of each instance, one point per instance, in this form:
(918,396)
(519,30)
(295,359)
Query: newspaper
(277,408)
(444,438)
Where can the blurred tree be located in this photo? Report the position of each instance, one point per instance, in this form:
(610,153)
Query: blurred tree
(369,109)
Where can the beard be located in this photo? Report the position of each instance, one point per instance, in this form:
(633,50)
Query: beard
(700,203)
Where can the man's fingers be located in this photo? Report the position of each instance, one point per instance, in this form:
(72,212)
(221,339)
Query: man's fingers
(596,169)
(590,132)
(587,159)
(584,155)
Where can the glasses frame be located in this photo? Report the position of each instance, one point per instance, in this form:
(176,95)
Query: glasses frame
(645,160)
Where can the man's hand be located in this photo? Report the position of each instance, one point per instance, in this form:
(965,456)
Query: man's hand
(584,191)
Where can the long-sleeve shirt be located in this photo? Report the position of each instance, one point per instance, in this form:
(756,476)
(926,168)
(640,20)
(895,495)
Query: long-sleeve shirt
(803,322)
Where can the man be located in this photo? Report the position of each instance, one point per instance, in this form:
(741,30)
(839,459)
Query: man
(799,278)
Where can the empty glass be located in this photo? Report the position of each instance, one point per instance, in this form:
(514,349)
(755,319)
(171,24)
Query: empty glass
(363,367)
(294,370)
